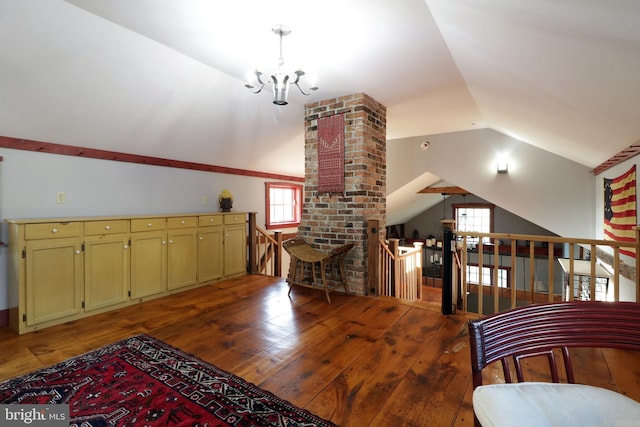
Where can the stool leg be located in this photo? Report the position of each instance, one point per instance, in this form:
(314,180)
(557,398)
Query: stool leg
(323,267)
(293,268)
(313,273)
(342,277)
(292,273)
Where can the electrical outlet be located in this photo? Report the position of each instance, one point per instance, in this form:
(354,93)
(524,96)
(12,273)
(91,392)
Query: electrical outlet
(205,200)
(61,197)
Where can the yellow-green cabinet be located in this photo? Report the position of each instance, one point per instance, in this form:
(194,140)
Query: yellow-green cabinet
(148,256)
(210,247)
(182,250)
(106,263)
(235,244)
(53,261)
(61,270)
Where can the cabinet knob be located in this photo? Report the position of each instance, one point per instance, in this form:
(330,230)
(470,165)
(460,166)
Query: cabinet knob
(164,243)
(211,220)
(55,230)
(77,252)
(170,241)
(107,227)
(201,238)
(126,246)
(149,225)
(182,222)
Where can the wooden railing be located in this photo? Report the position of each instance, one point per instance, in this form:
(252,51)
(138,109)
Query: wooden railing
(264,249)
(518,269)
(393,270)
(400,270)
(526,269)
(269,251)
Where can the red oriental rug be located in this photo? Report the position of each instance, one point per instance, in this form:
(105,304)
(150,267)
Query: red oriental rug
(142,381)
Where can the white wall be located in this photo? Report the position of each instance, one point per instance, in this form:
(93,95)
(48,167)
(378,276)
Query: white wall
(29,182)
(429,222)
(550,191)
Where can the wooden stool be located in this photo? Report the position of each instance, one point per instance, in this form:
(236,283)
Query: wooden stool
(333,262)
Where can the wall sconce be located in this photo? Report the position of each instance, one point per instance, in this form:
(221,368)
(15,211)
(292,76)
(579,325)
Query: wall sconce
(503,167)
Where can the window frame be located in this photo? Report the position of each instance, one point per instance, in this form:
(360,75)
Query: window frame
(298,198)
(489,206)
(506,270)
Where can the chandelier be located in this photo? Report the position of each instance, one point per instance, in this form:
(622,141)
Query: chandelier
(279,80)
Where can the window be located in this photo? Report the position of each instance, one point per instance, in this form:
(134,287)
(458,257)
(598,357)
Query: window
(473,276)
(474,217)
(284,204)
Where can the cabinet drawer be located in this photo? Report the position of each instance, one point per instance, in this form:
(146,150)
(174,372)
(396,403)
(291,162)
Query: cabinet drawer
(234,219)
(93,228)
(182,222)
(49,230)
(148,224)
(206,220)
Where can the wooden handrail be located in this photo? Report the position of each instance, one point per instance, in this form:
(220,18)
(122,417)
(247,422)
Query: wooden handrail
(269,251)
(573,248)
(400,270)
(386,275)
(265,251)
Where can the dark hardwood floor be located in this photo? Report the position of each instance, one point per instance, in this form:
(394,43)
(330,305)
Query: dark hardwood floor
(360,361)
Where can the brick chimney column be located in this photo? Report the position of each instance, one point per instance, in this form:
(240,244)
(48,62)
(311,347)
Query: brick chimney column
(330,220)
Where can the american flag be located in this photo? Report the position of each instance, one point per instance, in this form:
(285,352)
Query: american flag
(620,209)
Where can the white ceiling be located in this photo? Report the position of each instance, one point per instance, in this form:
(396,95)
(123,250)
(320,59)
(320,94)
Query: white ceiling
(165,77)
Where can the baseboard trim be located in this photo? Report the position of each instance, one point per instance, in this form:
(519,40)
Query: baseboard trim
(4,317)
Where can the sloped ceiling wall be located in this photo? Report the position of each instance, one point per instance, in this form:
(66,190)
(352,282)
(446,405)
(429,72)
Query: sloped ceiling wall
(548,190)
(165,78)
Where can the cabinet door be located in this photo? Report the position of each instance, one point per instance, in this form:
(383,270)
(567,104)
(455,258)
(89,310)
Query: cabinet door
(182,262)
(209,253)
(235,254)
(106,265)
(148,263)
(53,279)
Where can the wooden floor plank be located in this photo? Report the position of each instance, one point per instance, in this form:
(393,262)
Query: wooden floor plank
(436,382)
(625,372)
(362,389)
(359,361)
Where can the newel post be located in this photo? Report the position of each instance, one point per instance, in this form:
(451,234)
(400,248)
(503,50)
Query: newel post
(394,248)
(251,241)
(373,258)
(277,262)
(420,247)
(448,246)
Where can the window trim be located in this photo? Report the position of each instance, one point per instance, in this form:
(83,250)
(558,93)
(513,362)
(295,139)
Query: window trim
(506,269)
(298,197)
(491,207)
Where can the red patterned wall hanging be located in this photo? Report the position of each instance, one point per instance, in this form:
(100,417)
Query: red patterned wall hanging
(331,154)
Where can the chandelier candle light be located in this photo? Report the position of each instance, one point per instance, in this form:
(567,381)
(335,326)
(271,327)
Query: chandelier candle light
(279,80)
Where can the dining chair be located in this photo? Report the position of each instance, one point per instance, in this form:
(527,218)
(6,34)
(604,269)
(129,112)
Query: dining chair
(549,331)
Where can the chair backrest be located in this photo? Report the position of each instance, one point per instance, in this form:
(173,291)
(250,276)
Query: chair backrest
(536,330)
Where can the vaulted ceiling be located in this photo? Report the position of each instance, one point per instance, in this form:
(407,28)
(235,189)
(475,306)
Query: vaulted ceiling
(166,77)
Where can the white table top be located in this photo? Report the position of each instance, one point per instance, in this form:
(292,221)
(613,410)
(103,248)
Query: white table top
(583,268)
